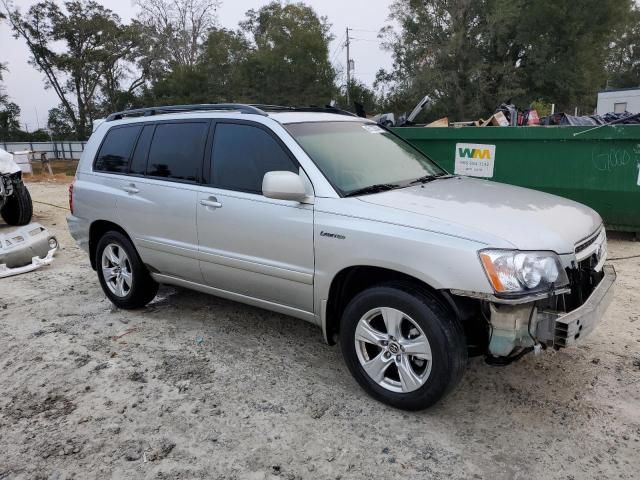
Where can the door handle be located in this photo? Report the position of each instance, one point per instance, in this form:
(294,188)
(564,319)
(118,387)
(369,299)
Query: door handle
(211,202)
(131,188)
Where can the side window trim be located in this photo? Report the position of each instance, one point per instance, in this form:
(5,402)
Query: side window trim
(146,153)
(104,139)
(207,180)
(208,154)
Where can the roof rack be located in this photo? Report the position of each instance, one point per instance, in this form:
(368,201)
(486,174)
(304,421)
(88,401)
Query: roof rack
(254,109)
(312,108)
(145,112)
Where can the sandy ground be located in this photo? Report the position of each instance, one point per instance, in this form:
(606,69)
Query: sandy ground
(198,387)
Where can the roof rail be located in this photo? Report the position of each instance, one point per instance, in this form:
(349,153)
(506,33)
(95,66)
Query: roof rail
(145,112)
(283,108)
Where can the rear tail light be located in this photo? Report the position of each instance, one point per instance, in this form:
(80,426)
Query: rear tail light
(71,197)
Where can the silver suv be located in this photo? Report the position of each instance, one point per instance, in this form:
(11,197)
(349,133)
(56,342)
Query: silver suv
(333,219)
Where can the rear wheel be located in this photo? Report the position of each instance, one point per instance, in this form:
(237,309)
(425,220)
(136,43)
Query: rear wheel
(402,345)
(18,208)
(123,276)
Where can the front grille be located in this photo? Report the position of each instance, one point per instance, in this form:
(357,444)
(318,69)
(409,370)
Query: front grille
(584,245)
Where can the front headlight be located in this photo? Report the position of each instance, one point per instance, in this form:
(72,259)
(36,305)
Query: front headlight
(512,271)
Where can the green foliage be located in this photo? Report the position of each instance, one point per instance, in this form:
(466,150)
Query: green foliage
(60,125)
(471,55)
(279,56)
(359,92)
(9,120)
(79,49)
(289,61)
(543,108)
(623,62)
(225,64)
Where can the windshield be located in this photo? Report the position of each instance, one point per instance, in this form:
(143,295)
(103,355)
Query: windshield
(357,156)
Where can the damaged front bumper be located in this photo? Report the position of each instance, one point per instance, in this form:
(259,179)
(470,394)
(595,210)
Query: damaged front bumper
(544,323)
(565,329)
(26,249)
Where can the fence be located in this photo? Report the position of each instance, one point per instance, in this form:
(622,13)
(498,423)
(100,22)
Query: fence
(54,150)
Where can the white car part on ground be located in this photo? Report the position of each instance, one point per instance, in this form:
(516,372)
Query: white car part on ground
(26,249)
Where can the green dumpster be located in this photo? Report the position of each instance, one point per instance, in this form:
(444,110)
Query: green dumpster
(600,168)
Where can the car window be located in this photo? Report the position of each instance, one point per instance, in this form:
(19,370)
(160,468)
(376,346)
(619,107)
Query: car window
(355,155)
(242,154)
(116,149)
(176,150)
(139,160)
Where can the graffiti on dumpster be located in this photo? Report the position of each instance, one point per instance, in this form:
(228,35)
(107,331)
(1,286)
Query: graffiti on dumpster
(610,159)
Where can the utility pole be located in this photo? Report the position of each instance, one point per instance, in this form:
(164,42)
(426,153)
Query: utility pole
(348,68)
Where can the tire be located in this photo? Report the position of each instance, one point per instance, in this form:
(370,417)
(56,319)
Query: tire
(123,277)
(18,208)
(408,382)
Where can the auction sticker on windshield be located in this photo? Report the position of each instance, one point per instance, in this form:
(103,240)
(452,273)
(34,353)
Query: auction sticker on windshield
(373,128)
(474,159)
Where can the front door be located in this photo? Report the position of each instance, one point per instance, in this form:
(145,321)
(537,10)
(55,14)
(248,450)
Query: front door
(249,244)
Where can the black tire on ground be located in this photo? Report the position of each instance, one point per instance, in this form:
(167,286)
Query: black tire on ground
(143,288)
(18,208)
(442,329)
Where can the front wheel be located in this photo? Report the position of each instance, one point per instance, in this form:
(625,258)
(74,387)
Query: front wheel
(18,208)
(402,345)
(123,276)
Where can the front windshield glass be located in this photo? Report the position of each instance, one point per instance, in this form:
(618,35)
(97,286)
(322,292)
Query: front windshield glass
(354,155)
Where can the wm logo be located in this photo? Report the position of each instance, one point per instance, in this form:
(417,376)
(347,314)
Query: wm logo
(474,153)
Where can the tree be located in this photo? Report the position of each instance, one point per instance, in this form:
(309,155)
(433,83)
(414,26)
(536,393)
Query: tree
(76,48)
(623,62)
(289,62)
(9,120)
(359,92)
(471,55)
(566,48)
(224,63)
(59,124)
(3,96)
(279,56)
(176,31)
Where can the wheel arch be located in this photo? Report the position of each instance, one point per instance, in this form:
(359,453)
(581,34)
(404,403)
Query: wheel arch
(97,229)
(350,281)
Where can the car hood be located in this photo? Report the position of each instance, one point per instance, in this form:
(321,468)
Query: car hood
(527,219)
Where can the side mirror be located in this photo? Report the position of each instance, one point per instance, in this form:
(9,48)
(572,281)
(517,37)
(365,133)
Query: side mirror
(283,186)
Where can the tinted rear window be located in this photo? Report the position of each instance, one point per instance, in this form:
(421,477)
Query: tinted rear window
(242,154)
(116,149)
(176,151)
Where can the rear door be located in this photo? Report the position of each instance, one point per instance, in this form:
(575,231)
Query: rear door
(158,204)
(249,244)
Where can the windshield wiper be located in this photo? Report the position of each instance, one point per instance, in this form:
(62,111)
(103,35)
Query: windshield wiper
(429,178)
(379,187)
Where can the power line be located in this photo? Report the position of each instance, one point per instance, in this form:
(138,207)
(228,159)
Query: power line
(337,49)
(365,40)
(364,30)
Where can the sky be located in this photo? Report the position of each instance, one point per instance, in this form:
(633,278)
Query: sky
(25,85)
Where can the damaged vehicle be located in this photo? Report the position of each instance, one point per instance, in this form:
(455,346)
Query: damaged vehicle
(15,202)
(335,220)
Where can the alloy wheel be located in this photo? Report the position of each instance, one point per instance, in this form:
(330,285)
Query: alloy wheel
(116,270)
(393,350)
